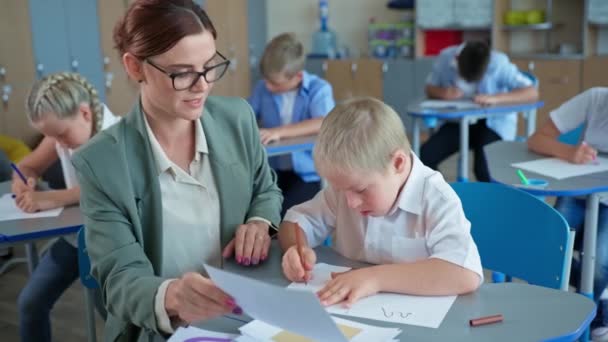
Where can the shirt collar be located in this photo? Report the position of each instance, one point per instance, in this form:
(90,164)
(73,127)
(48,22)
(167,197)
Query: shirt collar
(306,80)
(410,197)
(163,163)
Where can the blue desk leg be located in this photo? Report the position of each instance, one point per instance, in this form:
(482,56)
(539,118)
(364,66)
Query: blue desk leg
(589,247)
(416,135)
(463,168)
(32,256)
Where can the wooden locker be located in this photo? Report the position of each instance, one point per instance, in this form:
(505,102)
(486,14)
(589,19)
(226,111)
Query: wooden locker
(17,72)
(595,72)
(368,78)
(230,21)
(121,92)
(339,73)
(559,80)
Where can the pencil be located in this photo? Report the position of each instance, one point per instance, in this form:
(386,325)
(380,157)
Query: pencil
(485,320)
(19,173)
(299,247)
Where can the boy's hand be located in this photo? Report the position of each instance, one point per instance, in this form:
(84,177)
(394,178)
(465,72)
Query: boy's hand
(582,154)
(452,93)
(349,287)
(486,100)
(268,135)
(292,265)
(33,201)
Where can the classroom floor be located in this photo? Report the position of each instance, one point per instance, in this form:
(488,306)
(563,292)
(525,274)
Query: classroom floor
(68,316)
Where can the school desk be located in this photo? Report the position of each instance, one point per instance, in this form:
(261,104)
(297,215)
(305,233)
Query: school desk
(466,117)
(501,154)
(531,313)
(28,231)
(287,146)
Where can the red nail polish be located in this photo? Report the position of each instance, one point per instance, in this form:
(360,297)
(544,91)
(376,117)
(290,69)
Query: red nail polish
(238,259)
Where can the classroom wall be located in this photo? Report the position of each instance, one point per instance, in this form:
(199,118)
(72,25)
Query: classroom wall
(348,18)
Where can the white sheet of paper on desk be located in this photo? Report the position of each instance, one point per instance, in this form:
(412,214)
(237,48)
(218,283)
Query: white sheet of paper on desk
(296,311)
(10,211)
(440,104)
(194,334)
(560,169)
(390,307)
(355,332)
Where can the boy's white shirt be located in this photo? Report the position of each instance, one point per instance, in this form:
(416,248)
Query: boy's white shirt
(427,221)
(288,100)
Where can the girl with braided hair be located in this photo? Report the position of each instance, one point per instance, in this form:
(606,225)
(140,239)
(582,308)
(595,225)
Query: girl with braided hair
(66,109)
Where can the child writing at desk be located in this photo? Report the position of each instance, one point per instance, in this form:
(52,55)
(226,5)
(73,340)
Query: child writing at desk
(290,103)
(473,71)
(66,109)
(590,109)
(384,207)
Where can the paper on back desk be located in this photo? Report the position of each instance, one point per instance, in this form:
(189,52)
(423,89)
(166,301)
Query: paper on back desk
(560,169)
(425,311)
(10,211)
(441,104)
(296,311)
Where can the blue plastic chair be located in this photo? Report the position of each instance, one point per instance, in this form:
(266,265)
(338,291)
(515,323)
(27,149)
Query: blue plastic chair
(90,285)
(532,113)
(573,137)
(517,234)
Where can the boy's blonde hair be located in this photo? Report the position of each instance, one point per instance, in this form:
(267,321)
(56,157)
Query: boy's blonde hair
(284,54)
(360,134)
(61,94)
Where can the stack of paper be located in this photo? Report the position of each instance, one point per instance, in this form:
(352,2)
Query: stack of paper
(453,105)
(390,307)
(352,331)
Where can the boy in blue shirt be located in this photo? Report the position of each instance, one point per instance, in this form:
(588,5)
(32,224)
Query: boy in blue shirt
(289,103)
(472,71)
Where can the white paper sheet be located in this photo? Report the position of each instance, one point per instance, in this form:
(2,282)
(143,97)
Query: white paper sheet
(260,331)
(10,211)
(194,334)
(296,311)
(440,104)
(560,169)
(398,308)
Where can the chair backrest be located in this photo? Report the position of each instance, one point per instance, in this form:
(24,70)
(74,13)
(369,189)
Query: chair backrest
(531,76)
(516,233)
(84,264)
(573,137)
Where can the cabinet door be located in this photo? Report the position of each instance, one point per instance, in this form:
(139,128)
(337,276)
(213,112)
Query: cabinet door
(368,78)
(121,92)
(559,80)
(398,86)
(230,21)
(83,38)
(49,36)
(339,73)
(595,72)
(17,72)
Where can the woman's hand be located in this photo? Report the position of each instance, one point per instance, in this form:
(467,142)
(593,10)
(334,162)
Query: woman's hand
(349,287)
(18,186)
(195,298)
(292,264)
(250,245)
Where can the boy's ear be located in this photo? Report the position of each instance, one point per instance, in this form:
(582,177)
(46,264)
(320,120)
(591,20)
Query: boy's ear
(400,161)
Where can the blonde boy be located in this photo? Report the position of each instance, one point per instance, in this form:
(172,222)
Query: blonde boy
(289,103)
(383,206)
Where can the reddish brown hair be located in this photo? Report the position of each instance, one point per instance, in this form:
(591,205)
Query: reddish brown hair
(152,27)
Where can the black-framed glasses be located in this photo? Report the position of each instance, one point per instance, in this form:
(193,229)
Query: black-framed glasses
(187,79)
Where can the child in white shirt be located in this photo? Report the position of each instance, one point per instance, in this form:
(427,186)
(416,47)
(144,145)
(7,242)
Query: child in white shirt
(382,206)
(590,109)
